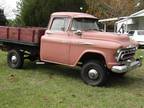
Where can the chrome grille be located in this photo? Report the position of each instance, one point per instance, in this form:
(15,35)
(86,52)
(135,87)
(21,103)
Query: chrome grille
(125,54)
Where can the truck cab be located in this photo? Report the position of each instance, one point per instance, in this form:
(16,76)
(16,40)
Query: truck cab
(74,39)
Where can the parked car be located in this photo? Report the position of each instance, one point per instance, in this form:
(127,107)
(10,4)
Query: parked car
(72,39)
(137,35)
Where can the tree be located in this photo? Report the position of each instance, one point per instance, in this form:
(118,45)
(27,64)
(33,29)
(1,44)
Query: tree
(139,5)
(2,17)
(37,12)
(110,8)
(97,8)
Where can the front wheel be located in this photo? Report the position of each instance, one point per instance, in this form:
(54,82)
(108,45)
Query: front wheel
(93,73)
(15,59)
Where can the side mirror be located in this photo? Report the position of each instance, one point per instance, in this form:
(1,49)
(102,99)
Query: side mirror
(78,32)
(48,32)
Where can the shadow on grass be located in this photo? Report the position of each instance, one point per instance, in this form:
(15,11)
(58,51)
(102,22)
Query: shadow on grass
(53,69)
(74,73)
(125,81)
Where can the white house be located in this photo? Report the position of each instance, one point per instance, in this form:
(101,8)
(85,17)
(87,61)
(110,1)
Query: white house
(132,22)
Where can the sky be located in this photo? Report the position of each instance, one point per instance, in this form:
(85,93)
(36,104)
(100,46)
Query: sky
(9,7)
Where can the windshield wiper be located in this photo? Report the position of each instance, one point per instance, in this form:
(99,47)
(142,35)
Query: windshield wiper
(92,29)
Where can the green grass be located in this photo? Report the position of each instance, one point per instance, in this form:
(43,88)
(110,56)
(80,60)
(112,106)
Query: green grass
(54,86)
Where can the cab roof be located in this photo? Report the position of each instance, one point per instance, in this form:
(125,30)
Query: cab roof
(74,15)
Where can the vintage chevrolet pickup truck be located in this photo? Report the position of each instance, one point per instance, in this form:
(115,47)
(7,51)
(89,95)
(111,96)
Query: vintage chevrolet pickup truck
(72,39)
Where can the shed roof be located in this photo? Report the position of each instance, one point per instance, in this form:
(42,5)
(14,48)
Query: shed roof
(134,15)
(139,13)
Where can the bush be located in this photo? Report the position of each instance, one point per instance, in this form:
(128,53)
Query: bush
(3,20)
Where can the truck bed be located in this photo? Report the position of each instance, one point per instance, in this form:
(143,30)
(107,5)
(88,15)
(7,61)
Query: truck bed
(21,35)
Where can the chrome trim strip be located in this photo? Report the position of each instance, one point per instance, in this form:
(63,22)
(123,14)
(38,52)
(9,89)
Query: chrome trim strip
(85,43)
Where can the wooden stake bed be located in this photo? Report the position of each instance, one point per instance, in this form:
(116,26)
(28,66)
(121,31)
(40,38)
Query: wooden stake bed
(20,35)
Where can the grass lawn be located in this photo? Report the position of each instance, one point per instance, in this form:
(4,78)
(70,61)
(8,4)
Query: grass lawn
(54,86)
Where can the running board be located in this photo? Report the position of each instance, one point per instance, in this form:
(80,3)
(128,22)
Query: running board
(40,63)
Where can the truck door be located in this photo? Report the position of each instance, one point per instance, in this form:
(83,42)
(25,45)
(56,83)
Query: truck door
(55,44)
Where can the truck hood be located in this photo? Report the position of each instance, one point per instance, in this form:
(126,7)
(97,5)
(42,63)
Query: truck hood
(105,36)
(122,40)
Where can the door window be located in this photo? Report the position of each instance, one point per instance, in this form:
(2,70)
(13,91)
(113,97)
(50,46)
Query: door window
(59,24)
(131,33)
(141,33)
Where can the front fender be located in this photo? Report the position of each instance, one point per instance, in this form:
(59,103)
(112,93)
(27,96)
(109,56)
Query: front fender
(88,51)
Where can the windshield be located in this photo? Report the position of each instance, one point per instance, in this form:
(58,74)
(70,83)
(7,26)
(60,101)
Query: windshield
(141,33)
(84,24)
(130,33)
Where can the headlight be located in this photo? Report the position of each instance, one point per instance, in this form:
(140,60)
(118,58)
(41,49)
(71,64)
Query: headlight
(117,56)
(118,51)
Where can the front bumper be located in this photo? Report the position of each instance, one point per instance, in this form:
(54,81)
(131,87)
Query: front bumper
(130,65)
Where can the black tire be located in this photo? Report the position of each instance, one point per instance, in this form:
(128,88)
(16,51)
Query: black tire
(15,59)
(93,73)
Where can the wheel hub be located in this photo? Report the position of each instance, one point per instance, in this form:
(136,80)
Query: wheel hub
(93,74)
(14,59)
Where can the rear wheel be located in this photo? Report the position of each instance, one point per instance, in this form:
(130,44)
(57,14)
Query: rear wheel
(93,73)
(15,59)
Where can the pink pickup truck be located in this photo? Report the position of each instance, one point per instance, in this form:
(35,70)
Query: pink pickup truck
(72,39)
